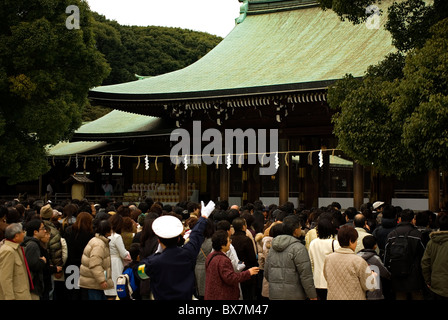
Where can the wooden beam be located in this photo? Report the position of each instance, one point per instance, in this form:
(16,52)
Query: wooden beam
(224,182)
(283,173)
(434,190)
(183,184)
(358,185)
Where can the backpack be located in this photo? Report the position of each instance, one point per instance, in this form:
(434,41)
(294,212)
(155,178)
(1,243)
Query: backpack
(400,256)
(126,285)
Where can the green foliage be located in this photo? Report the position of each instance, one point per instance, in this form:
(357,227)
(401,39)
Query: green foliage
(396,117)
(46,71)
(408,22)
(148,51)
(145,51)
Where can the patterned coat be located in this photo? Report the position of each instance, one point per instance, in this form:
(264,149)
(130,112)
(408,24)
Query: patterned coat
(347,275)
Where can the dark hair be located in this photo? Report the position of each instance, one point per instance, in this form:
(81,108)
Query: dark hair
(104,227)
(442,221)
(31,226)
(124,211)
(407,215)
(336,205)
(369,242)
(389,212)
(191,206)
(347,234)
(209,228)
(219,239)
(170,243)
(223,225)
(134,251)
(238,224)
(422,218)
(276,230)
(325,228)
(116,221)
(350,213)
(291,223)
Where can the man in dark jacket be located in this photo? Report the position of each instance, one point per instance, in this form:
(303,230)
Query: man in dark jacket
(245,250)
(388,223)
(35,231)
(403,260)
(171,272)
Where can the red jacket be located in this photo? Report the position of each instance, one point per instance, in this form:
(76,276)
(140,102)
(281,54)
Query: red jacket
(221,281)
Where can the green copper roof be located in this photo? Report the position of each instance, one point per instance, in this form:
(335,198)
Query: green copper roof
(116,124)
(288,50)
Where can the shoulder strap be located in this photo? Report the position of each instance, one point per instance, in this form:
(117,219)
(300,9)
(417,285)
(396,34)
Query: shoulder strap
(332,245)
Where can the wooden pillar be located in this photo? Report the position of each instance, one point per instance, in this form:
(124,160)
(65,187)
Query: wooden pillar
(244,183)
(283,175)
(224,182)
(434,190)
(183,184)
(358,185)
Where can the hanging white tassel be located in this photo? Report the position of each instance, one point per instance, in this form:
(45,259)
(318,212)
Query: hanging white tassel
(146,163)
(111,162)
(185,162)
(76,158)
(321,159)
(277,163)
(229,161)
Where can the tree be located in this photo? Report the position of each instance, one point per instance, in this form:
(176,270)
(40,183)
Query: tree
(46,70)
(148,51)
(395,117)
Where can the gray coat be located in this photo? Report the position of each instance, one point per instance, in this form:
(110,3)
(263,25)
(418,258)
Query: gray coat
(372,258)
(288,270)
(199,269)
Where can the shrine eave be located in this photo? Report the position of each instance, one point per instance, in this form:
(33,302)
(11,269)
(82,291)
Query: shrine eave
(106,97)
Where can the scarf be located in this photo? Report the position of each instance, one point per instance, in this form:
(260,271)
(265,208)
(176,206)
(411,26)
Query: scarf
(27,269)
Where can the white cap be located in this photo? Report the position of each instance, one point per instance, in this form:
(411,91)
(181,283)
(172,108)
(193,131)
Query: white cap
(377,204)
(167,227)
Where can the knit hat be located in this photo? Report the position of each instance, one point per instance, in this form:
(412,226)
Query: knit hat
(46,212)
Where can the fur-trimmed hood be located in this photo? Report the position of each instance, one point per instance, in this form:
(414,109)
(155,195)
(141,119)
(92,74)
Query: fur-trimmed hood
(439,236)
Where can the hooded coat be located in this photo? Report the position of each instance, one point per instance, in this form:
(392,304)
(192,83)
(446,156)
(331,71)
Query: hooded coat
(288,270)
(372,258)
(434,263)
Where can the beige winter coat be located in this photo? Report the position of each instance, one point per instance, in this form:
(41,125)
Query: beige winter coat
(347,275)
(96,264)
(14,282)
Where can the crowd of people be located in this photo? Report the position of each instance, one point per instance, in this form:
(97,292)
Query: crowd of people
(221,251)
